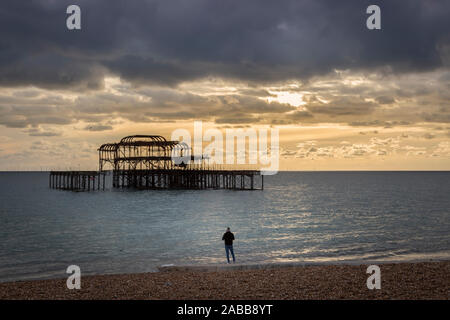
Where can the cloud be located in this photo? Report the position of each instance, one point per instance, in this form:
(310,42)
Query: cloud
(442,149)
(379,123)
(153,61)
(98,127)
(300,114)
(170,42)
(236,119)
(373,147)
(443,117)
(385,100)
(342,106)
(287,153)
(33,114)
(39,132)
(227,103)
(429,136)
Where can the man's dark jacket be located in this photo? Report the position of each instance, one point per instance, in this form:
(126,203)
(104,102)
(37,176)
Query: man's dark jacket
(228,237)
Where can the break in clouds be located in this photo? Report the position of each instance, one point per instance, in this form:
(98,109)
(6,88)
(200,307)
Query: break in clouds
(233,63)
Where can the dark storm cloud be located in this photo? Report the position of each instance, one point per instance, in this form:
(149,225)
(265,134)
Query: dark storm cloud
(167,42)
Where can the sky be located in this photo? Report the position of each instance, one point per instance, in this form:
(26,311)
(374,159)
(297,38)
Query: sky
(342,97)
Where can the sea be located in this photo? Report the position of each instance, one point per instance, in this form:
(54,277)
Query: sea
(299,217)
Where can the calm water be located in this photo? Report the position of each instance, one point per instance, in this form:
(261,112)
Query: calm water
(300,216)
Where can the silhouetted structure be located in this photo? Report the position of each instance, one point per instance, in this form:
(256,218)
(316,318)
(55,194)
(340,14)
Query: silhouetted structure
(77,180)
(152,162)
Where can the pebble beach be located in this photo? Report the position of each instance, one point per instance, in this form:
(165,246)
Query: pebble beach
(424,280)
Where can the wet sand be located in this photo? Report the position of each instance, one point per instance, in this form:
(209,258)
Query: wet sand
(425,280)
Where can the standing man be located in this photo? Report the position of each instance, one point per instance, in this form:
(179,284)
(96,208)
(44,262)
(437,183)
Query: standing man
(229,237)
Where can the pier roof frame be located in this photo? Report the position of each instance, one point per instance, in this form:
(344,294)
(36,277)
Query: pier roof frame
(147,151)
(142,138)
(108,147)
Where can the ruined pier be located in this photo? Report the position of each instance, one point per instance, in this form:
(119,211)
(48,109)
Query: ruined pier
(77,180)
(147,162)
(188,179)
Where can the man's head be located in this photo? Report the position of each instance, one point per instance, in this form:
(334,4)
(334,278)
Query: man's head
(228,229)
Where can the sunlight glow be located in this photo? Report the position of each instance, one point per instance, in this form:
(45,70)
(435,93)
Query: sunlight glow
(294,99)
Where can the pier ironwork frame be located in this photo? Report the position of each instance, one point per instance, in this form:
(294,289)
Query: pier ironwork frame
(146,162)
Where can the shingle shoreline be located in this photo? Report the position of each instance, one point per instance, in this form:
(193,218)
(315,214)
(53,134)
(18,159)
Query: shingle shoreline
(421,280)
